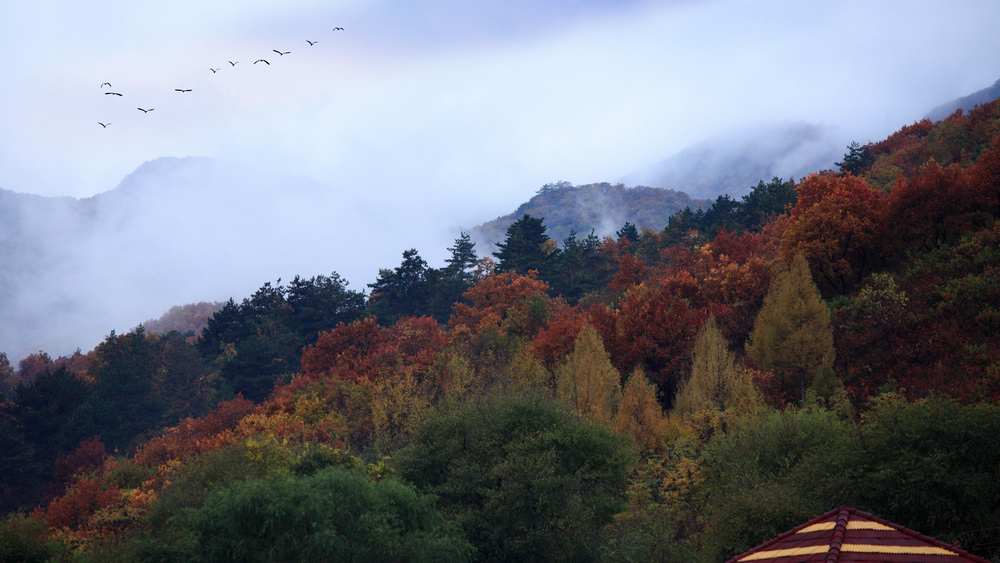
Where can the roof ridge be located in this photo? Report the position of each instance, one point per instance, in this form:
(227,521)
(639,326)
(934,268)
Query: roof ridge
(843,516)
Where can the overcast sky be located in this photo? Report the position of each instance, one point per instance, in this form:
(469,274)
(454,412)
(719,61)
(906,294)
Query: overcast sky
(471,105)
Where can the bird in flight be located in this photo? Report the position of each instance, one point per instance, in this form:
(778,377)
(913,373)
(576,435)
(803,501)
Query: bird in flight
(105,125)
(281,53)
(311,43)
(145,110)
(232,63)
(214,70)
(338,29)
(103,84)
(182,90)
(112,94)
(262,61)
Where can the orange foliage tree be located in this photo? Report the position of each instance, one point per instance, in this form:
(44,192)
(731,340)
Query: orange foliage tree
(837,224)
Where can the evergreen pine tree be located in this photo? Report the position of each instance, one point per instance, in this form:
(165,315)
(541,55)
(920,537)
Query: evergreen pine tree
(526,248)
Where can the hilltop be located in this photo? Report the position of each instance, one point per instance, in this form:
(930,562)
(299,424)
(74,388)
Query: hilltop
(602,208)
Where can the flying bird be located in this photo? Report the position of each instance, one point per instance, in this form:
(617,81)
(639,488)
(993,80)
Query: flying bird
(280,53)
(182,90)
(112,94)
(145,110)
(232,63)
(338,29)
(103,84)
(262,61)
(105,125)
(311,43)
(214,70)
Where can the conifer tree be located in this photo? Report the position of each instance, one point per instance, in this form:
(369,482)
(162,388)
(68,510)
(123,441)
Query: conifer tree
(713,374)
(792,337)
(588,382)
(639,414)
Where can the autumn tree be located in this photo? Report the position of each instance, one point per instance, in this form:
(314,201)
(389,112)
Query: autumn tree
(934,206)
(652,328)
(639,414)
(792,336)
(837,224)
(715,382)
(587,381)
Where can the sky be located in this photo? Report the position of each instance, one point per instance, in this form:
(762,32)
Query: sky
(434,114)
(476,102)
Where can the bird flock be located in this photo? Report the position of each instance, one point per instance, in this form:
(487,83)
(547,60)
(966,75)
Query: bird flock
(114,94)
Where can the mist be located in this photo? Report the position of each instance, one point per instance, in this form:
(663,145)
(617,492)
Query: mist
(180,231)
(416,120)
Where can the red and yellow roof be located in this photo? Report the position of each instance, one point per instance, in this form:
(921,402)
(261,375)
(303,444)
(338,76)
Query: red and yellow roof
(847,534)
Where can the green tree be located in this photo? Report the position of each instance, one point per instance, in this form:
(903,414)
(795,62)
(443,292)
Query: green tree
(628,232)
(122,405)
(334,514)
(405,291)
(524,478)
(35,429)
(934,466)
(771,472)
(253,344)
(792,337)
(457,276)
(526,248)
(764,202)
(857,159)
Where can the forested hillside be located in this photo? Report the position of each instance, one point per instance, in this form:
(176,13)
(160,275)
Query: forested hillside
(680,393)
(599,208)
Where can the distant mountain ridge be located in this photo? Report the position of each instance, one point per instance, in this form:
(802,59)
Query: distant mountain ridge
(733,162)
(601,207)
(966,103)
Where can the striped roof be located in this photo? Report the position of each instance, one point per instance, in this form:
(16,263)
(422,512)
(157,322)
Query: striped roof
(847,534)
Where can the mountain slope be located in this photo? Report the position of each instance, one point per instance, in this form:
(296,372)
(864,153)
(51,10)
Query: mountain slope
(602,207)
(966,103)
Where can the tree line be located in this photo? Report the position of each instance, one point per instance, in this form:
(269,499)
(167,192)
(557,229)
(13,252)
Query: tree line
(681,394)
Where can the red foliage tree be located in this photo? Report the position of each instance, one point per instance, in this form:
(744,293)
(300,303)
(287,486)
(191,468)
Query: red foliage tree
(349,352)
(837,223)
(192,436)
(553,343)
(932,207)
(75,508)
(653,328)
(494,297)
(88,456)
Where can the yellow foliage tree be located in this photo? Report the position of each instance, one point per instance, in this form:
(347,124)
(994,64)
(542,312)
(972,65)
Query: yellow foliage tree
(792,337)
(398,407)
(587,381)
(526,373)
(639,414)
